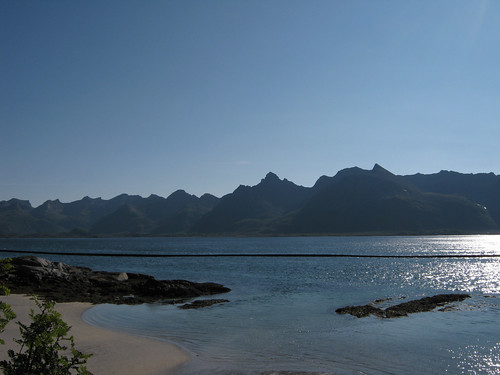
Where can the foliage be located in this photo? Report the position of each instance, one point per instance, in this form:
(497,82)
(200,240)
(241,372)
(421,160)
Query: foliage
(5,268)
(42,346)
(6,313)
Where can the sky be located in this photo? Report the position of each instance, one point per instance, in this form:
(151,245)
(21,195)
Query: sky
(99,98)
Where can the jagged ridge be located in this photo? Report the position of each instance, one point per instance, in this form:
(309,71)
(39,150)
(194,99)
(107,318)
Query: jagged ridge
(354,201)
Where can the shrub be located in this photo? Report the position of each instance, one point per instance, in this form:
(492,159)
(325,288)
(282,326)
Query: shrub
(44,343)
(6,313)
(42,346)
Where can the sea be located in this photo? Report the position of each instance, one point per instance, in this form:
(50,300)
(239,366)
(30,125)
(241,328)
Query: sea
(281,319)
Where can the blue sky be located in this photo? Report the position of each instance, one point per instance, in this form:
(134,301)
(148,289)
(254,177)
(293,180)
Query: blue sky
(147,97)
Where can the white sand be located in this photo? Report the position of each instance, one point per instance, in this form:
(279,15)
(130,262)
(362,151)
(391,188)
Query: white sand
(113,352)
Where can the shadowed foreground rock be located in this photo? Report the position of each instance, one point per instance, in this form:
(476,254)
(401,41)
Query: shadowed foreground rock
(64,283)
(405,308)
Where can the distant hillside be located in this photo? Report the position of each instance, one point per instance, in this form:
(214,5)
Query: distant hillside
(124,215)
(354,201)
(16,219)
(253,209)
(156,215)
(376,201)
(483,188)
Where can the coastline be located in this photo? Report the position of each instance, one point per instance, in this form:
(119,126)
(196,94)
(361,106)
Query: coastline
(113,352)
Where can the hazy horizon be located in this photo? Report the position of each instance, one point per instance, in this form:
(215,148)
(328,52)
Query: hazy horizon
(100,99)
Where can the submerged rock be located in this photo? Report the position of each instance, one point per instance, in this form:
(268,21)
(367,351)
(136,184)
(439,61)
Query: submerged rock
(405,308)
(198,304)
(294,373)
(64,283)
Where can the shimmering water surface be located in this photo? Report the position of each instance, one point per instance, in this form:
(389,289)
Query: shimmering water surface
(281,315)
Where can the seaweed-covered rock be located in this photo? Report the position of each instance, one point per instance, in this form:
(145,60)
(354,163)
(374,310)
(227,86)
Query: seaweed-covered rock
(405,308)
(198,304)
(361,311)
(423,304)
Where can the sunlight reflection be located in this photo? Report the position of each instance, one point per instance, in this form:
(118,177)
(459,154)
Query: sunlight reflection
(477,359)
(468,276)
(473,245)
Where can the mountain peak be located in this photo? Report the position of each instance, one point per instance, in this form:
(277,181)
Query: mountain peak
(154,196)
(180,193)
(271,177)
(51,203)
(16,204)
(379,169)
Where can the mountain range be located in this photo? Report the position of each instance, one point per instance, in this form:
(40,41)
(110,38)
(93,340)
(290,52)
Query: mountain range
(353,202)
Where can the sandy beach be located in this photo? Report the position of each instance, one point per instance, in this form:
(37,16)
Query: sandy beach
(113,352)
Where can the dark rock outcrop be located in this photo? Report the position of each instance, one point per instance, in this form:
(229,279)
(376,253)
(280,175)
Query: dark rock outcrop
(64,283)
(405,308)
(361,311)
(423,304)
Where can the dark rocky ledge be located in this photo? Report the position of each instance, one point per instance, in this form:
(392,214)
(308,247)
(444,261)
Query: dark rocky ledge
(405,308)
(64,283)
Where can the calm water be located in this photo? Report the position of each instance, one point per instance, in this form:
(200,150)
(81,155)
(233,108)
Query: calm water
(282,311)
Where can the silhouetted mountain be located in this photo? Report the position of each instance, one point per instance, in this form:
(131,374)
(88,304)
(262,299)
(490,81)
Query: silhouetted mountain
(354,201)
(252,209)
(16,219)
(483,188)
(156,215)
(121,215)
(187,210)
(15,205)
(80,214)
(376,201)
(125,220)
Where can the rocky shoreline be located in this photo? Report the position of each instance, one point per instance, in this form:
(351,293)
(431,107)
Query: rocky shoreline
(61,282)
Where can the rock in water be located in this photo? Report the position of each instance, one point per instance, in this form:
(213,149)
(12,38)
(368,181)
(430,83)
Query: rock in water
(423,304)
(405,308)
(198,304)
(361,311)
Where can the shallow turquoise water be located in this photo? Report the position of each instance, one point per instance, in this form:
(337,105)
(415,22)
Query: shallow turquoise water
(281,314)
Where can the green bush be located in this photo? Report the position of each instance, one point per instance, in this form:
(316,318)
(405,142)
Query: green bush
(43,344)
